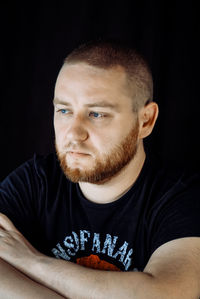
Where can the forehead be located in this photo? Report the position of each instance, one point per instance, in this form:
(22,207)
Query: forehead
(81,79)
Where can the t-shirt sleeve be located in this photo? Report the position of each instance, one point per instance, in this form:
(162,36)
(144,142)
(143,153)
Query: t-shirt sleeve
(18,194)
(177,214)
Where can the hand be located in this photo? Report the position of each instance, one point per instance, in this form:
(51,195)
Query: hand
(14,248)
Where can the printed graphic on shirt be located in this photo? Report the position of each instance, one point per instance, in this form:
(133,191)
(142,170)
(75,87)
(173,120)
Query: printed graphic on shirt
(94,262)
(95,244)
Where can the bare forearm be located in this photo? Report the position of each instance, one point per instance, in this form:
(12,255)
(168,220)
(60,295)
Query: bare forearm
(74,281)
(172,272)
(14,284)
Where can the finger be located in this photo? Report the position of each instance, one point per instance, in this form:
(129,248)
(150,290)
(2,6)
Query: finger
(2,232)
(6,223)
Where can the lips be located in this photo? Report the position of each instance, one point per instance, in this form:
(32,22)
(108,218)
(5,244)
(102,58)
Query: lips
(77,154)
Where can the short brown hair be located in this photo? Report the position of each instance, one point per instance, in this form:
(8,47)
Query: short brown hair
(109,54)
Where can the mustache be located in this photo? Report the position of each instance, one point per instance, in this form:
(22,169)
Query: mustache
(75,148)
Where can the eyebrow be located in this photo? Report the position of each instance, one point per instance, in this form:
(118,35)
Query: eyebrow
(102,104)
(95,104)
(57,101)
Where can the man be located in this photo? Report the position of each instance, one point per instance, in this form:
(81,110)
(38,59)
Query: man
(109,221)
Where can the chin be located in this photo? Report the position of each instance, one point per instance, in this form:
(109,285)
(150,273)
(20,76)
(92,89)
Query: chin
(78,165)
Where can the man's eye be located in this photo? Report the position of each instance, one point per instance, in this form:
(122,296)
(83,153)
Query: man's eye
(63,111)
(96,115)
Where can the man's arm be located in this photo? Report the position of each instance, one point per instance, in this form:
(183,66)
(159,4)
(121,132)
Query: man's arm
(172,272)
(14,284)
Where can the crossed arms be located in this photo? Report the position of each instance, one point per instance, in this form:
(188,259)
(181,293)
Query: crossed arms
(173,271)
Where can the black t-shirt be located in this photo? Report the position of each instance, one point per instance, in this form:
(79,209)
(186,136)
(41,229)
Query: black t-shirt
(52,213)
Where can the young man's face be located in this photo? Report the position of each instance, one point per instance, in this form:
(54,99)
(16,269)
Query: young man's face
(95,127)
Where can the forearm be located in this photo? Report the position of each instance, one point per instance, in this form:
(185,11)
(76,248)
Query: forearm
(14,284)
(171,272)
(74,281)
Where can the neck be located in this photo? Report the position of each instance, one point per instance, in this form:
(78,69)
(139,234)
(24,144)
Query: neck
(119,184)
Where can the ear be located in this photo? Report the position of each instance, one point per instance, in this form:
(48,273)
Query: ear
(147,118)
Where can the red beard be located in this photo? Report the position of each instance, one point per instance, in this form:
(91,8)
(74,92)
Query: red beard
(105,168)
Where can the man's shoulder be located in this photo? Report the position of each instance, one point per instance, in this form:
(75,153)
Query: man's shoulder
(167,175)
(38,167)
(47,163)
(48,167)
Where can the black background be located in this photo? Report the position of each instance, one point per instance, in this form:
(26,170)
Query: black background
(37,36)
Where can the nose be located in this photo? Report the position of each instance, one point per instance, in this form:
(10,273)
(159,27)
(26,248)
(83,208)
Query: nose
(77,131)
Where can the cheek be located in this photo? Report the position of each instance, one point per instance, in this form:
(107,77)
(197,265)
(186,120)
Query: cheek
(110,142)
(60,132)
(103,142)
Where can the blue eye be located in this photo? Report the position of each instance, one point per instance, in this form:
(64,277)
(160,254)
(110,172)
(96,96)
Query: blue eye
(96,115)
(63,111)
